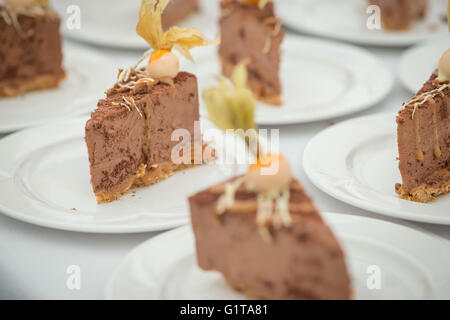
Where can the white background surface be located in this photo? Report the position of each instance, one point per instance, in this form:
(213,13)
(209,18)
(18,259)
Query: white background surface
(33,260)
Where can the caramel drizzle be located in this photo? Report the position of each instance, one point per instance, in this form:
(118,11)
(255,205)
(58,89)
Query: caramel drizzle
(265,215)
(10,18)
(418,101)
(132,76)
(419,155)
(273,34)
(131,103)
(226,200)
(436,147)
(422,98)
(9,15)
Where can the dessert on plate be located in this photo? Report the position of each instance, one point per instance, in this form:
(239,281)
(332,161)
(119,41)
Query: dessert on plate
(30,47)
(264,234)
(177,11)
(129,135)
(400,14)
(251,31)
(423,135)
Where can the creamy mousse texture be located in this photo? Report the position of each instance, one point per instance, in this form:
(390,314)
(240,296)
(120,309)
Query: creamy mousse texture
(301,261)
(254,35)
(400,14)
(177,11)
(423,135)
(30,50)
(129,135)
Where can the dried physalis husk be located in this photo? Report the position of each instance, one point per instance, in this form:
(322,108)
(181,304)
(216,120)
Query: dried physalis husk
(151,30)
(231,105)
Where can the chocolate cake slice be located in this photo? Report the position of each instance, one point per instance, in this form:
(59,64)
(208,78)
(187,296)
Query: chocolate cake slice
(145,128)
(268,247)
(177,11)
(30,50)
(129,135)
(424,143)
(400,14)
(254,34)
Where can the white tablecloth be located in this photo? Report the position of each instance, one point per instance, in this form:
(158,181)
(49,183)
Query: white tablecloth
(33,260)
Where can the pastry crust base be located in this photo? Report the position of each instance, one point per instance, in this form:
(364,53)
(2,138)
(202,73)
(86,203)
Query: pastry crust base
(39,83)
(144,177)
(437,184)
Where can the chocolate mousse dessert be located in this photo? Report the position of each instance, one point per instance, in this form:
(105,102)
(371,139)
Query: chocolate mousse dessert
(264,234)
(424,139)
(30,47)
(251,32)
(129,135)
(400,14)
(177,11)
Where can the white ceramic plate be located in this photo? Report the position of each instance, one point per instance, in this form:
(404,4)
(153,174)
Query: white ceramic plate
(320,79)
(88,75)
(347,20)
(113,23)
(417,63)
(44,180)
(165,267)
(355,162)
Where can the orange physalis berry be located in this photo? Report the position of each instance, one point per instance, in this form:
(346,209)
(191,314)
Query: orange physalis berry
(158,54)
(266,161)
(252,1)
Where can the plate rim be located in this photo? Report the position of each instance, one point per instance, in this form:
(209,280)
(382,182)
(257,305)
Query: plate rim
(404,59)
(395,42)
(171,223)
(402,224)
(383,72)
(353,201)
(124,43)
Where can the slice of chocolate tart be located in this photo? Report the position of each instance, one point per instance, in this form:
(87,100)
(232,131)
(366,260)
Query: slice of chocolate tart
(30,49)
(129,135)
(266,237)
(145,128)
(423,135)
(177,11)
(252,33)
(400,14)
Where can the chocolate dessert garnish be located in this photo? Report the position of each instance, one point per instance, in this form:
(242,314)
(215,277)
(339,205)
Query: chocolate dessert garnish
(129,136)
(424,160)
(31,47)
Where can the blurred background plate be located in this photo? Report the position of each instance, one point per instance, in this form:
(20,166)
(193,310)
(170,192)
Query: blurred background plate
(417,63)
(112,23)
(347,19)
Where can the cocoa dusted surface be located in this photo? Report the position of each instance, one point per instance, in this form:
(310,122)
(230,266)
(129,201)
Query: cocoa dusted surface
(245,32)
(302,262)
(119,140)
(33,51)
(413,171)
